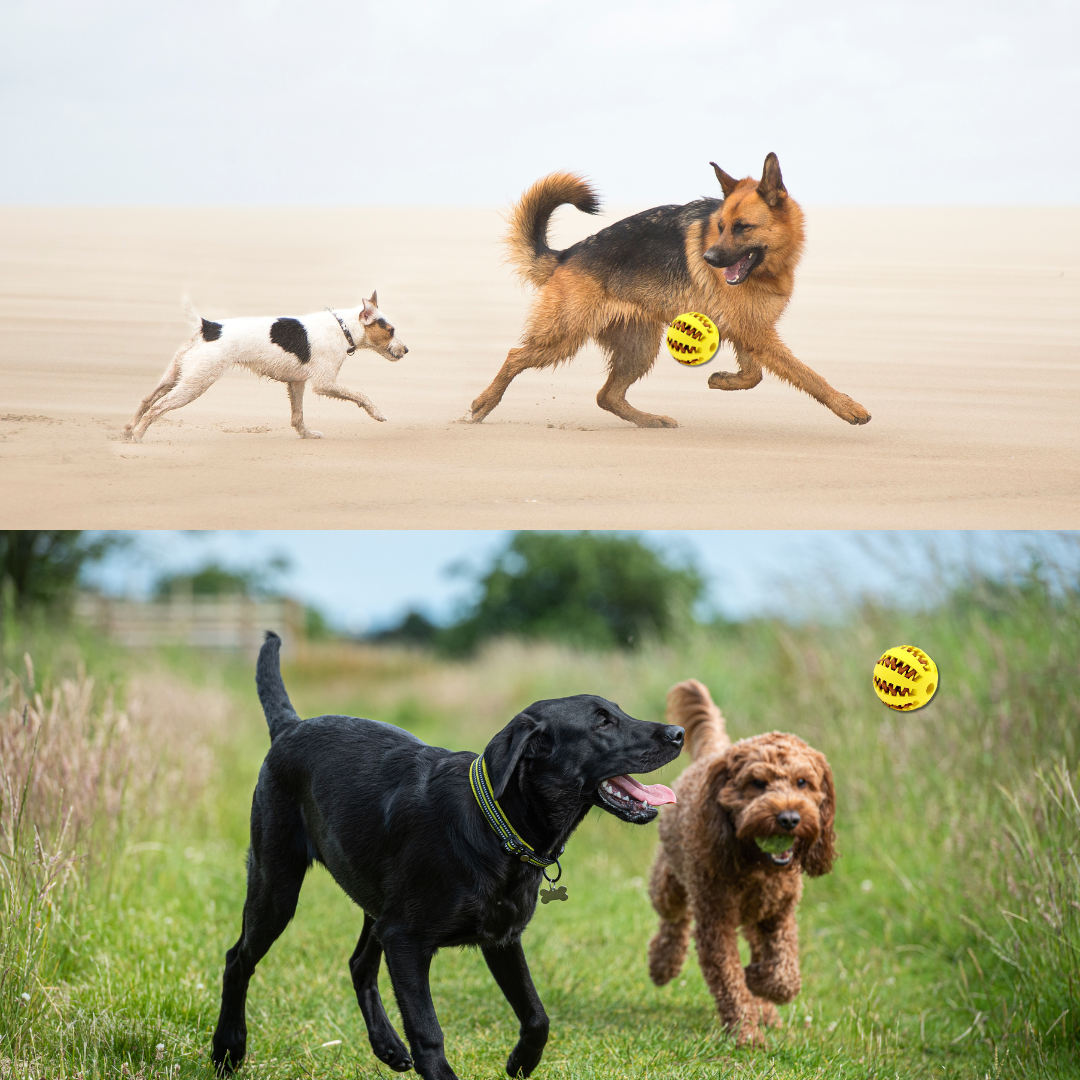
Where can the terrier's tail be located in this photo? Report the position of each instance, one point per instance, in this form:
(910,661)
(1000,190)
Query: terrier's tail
(190,313)
(690,705)
(275,701)
(527,241)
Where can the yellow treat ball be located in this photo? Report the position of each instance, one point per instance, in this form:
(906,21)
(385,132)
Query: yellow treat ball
(693,339)
(905,678)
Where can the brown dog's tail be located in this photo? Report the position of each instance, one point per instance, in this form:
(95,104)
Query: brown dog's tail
(527,239)
(690,706)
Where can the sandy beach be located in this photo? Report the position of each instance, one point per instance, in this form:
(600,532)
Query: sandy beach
(959,329)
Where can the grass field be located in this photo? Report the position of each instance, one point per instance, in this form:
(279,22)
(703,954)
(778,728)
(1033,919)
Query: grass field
(946,942)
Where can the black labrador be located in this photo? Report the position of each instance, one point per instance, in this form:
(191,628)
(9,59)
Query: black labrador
(397,824)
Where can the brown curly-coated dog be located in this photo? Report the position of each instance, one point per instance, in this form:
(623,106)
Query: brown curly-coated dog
(710,868)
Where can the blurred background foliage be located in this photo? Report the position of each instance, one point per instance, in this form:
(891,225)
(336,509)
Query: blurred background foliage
(585,589)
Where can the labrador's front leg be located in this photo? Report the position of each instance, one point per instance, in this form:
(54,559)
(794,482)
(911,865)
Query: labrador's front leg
(408,959)
(511,971)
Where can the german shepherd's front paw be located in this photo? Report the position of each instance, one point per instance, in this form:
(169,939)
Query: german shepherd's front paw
(732,380)
(850,410)
(478,410)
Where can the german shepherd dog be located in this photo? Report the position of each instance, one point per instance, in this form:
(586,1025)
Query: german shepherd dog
(732,259)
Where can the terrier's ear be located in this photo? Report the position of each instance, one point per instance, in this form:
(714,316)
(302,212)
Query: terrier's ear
(726,182)
(771,188)
(518,739)
(375,297)
(369,312)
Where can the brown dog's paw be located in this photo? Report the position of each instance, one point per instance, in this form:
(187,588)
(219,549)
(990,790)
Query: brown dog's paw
(651,421)
(768,1014)
(751,1037)
(850,410)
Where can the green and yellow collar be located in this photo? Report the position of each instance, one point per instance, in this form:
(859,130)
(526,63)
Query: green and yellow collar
(511,842)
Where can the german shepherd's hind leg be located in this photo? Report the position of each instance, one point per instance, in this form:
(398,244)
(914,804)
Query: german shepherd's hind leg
(532,354)
(631,349)
(746,378)
(277,862)
(364,963)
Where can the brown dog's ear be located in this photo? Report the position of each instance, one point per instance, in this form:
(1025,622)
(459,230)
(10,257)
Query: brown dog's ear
(822,853)
(726,182)
(771,187)
(504,751)
(718,824)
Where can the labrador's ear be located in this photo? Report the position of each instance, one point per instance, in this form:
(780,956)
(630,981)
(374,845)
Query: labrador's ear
(506,750)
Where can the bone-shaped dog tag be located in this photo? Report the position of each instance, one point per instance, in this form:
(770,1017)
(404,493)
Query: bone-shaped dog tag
(553,894)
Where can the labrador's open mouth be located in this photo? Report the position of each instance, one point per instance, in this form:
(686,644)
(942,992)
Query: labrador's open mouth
(631,801)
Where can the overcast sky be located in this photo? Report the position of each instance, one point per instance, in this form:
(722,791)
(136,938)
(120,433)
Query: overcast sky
(420,102)
(367,580)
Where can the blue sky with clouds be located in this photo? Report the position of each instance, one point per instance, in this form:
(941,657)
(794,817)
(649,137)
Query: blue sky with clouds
(366,580)
(416,102)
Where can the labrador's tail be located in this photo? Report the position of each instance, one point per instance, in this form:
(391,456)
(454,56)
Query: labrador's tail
(275,701)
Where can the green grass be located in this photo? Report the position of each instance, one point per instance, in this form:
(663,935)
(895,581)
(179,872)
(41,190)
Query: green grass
(947,818)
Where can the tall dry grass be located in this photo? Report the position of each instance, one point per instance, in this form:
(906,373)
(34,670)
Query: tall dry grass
(79,774)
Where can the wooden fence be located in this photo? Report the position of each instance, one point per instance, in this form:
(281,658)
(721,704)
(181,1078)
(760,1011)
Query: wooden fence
(234,623)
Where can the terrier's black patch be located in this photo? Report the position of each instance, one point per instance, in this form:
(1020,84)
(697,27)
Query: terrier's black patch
(211,331)
(292,337)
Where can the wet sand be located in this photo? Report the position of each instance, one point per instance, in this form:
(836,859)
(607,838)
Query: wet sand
(958,329)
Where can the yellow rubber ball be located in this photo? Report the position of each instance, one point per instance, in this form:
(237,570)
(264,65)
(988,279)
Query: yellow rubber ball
(905,678)
(693,338)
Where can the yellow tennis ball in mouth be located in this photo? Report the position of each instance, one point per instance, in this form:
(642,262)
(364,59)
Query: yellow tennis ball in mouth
(692,338)
(905,678)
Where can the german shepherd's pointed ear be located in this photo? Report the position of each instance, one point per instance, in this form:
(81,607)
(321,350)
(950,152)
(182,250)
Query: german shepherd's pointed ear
(506,750)
(771,188)
(820,857)
(726,182)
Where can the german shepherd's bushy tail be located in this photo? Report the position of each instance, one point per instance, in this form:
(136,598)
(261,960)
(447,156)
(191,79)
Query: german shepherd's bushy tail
(272,695)
(690,705)
(527,241)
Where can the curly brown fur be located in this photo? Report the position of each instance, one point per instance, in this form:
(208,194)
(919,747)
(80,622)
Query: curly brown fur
(709,871)
(733,259)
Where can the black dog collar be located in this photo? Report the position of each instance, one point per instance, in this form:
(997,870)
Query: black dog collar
(345,330)
(500,823)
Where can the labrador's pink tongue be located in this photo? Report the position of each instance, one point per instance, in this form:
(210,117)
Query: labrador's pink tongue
(653,794)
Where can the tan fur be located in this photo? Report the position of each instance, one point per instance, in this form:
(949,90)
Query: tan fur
(709,873)
(572,307)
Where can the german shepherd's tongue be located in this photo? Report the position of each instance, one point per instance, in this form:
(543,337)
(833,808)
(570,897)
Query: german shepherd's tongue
(736,271)
(653,794)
